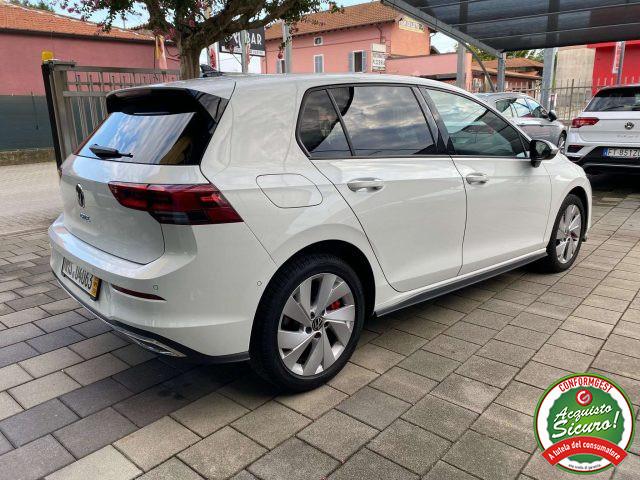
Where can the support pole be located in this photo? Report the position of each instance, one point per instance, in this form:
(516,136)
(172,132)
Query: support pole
(461,72)
(244,51)
(286,39)
(547,77)
(501,71)
(621,63)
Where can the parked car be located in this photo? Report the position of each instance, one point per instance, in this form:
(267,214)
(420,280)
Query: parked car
(266,217)
(605,137)
(529,115)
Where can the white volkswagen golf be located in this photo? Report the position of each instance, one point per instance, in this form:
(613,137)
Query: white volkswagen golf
(267,217)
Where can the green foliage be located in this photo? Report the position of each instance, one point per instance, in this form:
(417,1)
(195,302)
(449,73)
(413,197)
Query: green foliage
(39,5)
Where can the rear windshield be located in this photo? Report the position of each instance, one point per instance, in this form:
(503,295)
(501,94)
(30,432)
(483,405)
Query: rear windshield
(155,127)
(615,99)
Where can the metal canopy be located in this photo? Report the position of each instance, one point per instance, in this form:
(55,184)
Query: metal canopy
(505,25)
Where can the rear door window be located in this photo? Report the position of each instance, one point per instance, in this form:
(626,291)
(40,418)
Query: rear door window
(320,129)
(384,120)
(521,107)
(616,99)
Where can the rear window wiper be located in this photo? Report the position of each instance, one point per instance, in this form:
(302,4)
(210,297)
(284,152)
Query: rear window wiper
(108,152)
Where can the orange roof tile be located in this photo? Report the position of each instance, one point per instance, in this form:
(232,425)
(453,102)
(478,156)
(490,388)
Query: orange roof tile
(353,16)
(16,17)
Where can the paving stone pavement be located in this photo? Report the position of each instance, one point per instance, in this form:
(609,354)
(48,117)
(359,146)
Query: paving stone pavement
(442,390)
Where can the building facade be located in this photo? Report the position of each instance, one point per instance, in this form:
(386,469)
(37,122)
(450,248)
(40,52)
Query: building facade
(604,72)
(360,38)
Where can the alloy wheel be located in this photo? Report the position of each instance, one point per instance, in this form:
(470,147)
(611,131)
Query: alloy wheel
(316,324)
(568,234)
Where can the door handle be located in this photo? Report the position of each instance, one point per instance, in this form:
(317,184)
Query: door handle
(365,184)
(477,178)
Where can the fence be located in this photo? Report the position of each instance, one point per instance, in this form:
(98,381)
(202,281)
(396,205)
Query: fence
(569,98)
(76,97)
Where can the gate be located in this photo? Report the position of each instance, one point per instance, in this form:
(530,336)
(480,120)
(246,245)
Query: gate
(76,97)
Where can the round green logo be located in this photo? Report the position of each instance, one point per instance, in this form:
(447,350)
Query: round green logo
(584,423)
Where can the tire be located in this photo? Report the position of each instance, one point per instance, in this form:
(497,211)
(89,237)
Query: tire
(285,348)
(562,141)
(555,261)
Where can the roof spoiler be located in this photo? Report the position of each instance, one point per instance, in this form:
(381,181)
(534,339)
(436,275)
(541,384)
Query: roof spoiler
(166,100)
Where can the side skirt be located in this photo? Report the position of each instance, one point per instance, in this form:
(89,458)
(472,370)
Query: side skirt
(458,284)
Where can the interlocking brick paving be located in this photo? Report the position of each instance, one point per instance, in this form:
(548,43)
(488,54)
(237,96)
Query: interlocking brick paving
(445,389)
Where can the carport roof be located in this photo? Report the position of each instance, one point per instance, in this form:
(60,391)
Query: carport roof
(506,25)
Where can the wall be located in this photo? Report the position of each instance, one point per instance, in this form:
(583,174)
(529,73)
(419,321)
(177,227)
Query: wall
(429,65)
(338,44)
(21,58)
(574,64)
(603,62)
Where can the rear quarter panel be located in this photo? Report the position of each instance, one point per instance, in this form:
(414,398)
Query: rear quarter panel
(251,142)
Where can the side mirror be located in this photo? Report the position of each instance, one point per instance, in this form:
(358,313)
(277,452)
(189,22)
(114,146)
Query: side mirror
(552,116)
(541,150)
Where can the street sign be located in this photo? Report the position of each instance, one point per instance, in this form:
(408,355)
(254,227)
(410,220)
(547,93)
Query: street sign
(256,39)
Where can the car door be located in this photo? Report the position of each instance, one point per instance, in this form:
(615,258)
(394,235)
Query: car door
(508,199)
(375,144)
(548,129)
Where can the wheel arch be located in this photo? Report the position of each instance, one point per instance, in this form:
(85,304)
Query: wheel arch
(351,254)
(581,193)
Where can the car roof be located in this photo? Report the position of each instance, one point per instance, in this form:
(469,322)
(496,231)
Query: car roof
(225,84)
(499,95)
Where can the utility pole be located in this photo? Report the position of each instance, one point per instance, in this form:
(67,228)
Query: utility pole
(286,39)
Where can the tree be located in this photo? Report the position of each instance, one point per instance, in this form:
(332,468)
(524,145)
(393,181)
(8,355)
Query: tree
(195,24)
(40,5)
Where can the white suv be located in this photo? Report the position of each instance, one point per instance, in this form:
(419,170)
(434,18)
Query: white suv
(267,217)
(606,136)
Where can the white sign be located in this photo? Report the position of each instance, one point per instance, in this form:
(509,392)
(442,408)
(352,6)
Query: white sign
(378,56)
(411,25)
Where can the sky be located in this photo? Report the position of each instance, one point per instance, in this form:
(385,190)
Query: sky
(441,42)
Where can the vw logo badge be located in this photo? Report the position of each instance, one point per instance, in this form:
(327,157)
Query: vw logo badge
(80,195)
(629,125)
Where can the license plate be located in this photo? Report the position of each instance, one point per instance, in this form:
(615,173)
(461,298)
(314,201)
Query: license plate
(83,279)
(622,152)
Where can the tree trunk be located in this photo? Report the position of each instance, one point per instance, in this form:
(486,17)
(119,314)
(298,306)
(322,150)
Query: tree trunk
(189,63)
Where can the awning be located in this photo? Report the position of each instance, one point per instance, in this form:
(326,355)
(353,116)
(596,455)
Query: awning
(506,25)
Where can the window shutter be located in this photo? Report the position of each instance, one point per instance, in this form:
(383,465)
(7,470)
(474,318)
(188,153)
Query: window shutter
(351,67)
(364,61)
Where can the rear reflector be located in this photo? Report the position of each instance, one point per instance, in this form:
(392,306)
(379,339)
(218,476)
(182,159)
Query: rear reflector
(177,204)
(133,293)
(584,122)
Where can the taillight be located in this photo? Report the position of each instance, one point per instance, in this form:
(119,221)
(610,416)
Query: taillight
(177,204)
(584,121)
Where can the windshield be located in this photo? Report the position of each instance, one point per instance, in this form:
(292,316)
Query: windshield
(615,99)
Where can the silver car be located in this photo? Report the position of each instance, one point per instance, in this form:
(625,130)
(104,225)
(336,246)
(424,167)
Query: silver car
(529,115)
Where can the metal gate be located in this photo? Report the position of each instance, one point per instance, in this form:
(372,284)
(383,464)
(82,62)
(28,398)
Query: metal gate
(76,97)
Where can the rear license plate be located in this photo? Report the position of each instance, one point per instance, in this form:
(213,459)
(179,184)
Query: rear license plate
(83,279)
(622,152)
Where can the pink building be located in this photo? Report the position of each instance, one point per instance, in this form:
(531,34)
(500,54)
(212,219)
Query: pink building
(26,32)
(361,38)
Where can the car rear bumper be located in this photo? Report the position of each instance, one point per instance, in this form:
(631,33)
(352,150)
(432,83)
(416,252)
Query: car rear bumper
(592,160)
(208,301)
